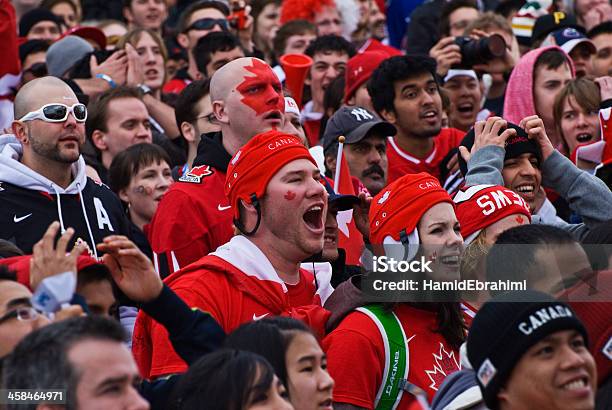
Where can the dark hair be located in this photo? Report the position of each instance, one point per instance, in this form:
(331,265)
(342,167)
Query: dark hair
(270,338)
(97,111)
(40,360)
(332,101)
(133,37)
(551,59)
(222,380)
(601,28)
(507,8)
(185,106)
(127,163)
(31,47)
(518,262)
(448,9)
(8,249)
(257,7)
(381,85)
(183,20)
(210,44)
(330,43)
(7,274)
(291,28)
(598,243)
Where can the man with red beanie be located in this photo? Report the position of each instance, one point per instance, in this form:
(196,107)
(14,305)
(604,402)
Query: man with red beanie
(359,69)
(194,216)
(279,205)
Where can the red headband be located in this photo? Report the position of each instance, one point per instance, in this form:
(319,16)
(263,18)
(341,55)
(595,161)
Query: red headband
(480,206)
(251,169)
(402,204)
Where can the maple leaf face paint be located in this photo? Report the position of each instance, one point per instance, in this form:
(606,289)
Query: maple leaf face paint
(261,91)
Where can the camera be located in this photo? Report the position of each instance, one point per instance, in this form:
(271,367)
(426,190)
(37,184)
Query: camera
(480,51)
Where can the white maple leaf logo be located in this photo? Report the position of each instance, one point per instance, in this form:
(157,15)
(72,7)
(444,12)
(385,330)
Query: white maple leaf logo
(445,363)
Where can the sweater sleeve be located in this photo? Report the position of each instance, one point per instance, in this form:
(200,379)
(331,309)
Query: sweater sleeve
(484,167)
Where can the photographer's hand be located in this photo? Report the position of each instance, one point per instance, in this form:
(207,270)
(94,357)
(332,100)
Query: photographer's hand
(446,53)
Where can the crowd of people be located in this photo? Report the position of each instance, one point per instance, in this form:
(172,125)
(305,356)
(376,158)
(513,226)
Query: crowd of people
(194,195)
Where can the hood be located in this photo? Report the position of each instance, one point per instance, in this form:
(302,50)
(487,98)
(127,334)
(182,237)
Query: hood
(14,172)
(211,152)
(519,102)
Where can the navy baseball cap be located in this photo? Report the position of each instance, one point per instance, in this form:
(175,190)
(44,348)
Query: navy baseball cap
(339,202)
(568,38)
(354,123)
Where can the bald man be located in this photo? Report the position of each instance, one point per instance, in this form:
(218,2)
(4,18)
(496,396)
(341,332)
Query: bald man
(42,173)
(194,217)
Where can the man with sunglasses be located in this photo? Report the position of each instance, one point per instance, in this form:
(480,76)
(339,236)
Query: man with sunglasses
(195,22)
(42,173)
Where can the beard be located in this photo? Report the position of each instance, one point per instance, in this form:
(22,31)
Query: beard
(52,152)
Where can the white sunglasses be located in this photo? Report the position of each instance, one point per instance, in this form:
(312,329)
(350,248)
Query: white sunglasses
(57,112)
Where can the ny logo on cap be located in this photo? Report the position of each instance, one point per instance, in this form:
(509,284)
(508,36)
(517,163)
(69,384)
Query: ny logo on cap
(361,114)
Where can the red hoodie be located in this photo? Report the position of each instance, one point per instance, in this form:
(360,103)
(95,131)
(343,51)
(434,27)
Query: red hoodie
(235,284)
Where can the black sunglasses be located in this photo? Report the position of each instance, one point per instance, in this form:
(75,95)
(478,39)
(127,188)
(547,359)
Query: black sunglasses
(208,24)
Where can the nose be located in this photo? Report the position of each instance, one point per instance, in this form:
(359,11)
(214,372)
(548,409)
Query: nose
(331,222)
(149,57)
(374,156)
(426,98)
(572,358)
(272,96)
(143,131)
(454,239)
(527,168)
(581,120)
(326,382)
(70,121)
(331,72)
(163,182)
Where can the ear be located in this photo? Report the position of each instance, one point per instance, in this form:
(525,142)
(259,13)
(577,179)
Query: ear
(351,101)
(123,195)
(307,79)
(127,13)
(330,164)
(99,140)
(20,130)
(388,116)
(183,40)
(188,131)
(218,108)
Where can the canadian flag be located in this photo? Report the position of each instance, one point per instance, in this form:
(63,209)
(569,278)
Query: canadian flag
(9,63)
(349,237)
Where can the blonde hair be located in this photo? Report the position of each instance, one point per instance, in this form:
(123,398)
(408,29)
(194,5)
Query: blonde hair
(473,256)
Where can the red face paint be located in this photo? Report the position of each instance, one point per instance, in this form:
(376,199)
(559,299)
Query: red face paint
(519,219)
(289,195)
(262,92)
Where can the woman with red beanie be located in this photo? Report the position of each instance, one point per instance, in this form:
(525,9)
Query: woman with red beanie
(392,355)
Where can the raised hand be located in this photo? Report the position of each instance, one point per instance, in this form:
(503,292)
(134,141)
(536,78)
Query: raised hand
(534,127)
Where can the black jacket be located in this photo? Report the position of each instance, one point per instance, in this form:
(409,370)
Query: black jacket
(30,203)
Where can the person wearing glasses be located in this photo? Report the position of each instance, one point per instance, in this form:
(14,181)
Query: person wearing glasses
(195,22)
(42,172)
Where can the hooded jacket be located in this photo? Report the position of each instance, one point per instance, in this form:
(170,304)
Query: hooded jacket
(194,216)
(235,284)
(30,203)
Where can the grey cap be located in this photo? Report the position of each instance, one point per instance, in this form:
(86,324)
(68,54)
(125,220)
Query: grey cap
(354,123)
(65,53)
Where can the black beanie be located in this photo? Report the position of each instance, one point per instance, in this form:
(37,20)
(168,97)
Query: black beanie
(515,146)
(33,17)
(506,327)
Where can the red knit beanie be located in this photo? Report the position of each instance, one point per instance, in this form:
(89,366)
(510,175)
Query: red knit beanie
(480,206)
(401,205)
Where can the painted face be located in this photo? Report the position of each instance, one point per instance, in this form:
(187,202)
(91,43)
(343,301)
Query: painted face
(558,372)
(267,24)
(328,21)
(497,228)
(147,13)
(108,376)
(15,297)
(441,241)
(522,175)
(298,43)
(44,30)
(326,67)
(146,190)
(418,107)
(152,60)
(367,160)
(464,94)
(294,210)
(602,61)
(459,19)
(274,397)
(221,58)
(310,385)
(547,84)
(578,126)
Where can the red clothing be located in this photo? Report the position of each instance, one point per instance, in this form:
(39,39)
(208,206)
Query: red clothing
(176,85)
(193,219)
(356,356)
(313,129)
(235,284)
(402,162)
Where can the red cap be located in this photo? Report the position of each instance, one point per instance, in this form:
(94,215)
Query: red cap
(88,33)
(359,69)
(402,204)
(480,206)
(251,169)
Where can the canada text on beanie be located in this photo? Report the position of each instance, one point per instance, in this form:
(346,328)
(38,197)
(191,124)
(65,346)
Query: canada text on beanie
(506,327)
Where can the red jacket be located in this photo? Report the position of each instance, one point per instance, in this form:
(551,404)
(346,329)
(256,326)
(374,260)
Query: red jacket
(194,217)
(235,284)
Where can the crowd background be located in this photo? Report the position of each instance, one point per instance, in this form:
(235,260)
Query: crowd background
(191,193)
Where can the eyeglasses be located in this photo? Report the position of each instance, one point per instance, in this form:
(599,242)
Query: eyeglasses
(24,314)
(57,112)
(208,24)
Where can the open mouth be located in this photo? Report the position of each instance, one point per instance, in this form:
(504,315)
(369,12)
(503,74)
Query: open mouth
(451,260)
(314,218)
(151,73)
(329,240)
(429,114)
(326,404)
(526,189)
(582,138)
(576,384)
(274,116)
(465,108)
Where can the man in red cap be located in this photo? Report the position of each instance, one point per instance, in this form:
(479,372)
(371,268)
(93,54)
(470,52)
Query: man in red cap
(279,205)
(194,216)
(358,72)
